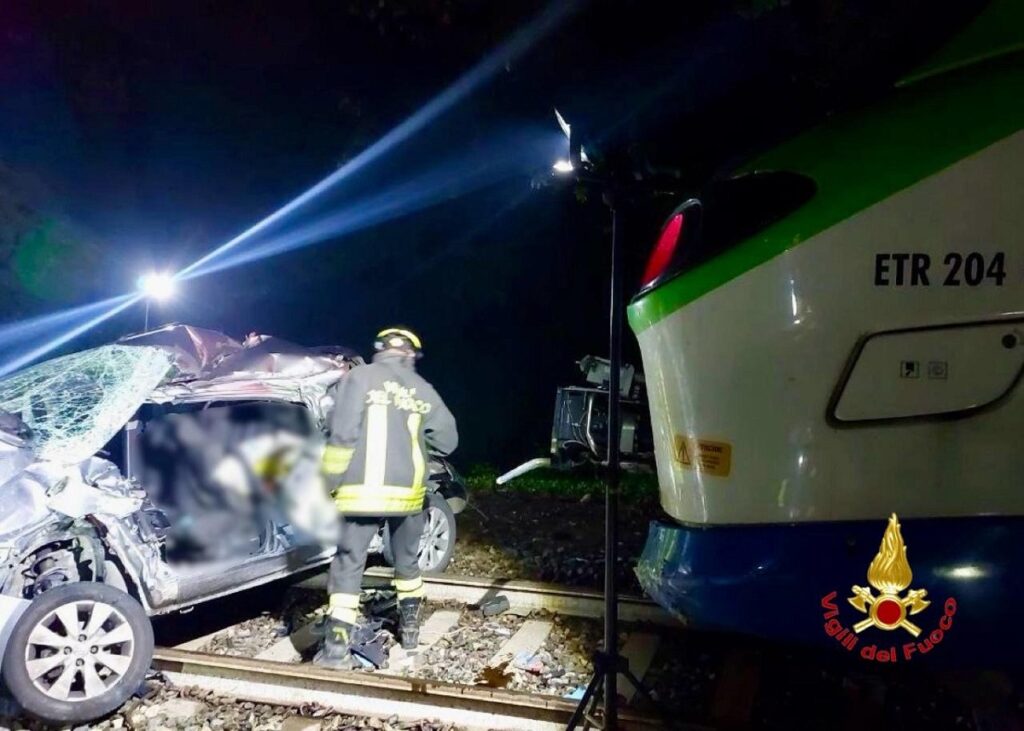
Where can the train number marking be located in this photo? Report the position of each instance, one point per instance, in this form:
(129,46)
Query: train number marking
(913,269)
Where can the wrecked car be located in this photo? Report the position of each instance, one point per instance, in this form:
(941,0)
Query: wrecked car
(150,475)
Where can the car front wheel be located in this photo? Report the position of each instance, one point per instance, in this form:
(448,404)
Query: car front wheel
(78,652)
(437,544)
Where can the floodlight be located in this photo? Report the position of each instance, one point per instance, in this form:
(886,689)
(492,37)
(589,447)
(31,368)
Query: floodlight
(157,286)
(563,167)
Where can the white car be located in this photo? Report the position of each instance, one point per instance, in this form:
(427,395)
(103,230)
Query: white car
(153,474)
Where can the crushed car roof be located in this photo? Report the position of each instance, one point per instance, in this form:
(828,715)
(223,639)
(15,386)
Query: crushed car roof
(204,355)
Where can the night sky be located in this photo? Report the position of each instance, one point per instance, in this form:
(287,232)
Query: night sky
(142,135)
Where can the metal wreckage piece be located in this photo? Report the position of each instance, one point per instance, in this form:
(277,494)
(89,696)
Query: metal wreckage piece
(93,512)
(207,364)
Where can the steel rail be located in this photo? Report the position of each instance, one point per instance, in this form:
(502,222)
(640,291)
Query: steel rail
(521,595)
(371,694)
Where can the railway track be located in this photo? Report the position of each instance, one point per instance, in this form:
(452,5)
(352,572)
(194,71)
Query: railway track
(522,596)
(708,680)
(374,694)
(277,674)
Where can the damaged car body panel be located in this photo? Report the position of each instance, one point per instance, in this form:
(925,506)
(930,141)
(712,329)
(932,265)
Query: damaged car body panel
(56,417)
(117,462)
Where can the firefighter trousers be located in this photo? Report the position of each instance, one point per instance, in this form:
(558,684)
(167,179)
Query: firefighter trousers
(344,582)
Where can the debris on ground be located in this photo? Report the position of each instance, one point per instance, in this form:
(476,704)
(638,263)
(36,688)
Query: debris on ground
(252,636)
(497,605)
(370,643)
(529,662)
(382,603)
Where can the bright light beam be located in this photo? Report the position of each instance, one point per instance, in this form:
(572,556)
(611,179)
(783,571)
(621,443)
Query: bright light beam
(55,342)
(23,329)
(415,194)
(456,178)
(509,51)
(512,49)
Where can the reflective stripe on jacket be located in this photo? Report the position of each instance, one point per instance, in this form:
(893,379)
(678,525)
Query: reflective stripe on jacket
(385,416)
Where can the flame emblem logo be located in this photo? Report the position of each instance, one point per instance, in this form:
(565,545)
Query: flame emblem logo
(890,574)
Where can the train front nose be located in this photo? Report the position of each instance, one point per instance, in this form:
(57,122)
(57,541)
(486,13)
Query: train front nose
(823,361)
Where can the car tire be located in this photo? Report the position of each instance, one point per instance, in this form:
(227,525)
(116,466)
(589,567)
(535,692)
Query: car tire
(104,669)
(437,546)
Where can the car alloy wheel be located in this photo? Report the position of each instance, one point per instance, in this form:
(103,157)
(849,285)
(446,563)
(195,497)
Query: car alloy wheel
(436,539)
(79,650)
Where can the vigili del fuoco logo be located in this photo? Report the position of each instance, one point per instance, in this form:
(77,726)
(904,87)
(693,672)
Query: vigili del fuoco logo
(890,609)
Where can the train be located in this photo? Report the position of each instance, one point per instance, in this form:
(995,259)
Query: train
(833,341)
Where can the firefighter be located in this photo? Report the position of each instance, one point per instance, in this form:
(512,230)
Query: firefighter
(385,417)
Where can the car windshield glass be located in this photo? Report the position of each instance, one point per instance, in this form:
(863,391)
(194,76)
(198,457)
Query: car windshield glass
(75,404)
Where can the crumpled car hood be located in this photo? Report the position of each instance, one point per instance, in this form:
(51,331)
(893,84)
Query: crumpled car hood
(93,487)
(39,489)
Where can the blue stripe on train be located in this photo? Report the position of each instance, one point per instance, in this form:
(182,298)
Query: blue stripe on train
(770,580)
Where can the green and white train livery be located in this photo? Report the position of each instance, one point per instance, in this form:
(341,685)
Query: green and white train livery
(835,336)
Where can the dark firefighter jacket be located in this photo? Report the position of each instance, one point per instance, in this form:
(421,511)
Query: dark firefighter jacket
(385,417)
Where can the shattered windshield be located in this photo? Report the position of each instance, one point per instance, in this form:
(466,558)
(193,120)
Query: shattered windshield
(75,404)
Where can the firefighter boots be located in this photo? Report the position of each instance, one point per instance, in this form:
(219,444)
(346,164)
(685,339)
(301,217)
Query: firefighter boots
(336,651)
(410,612)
